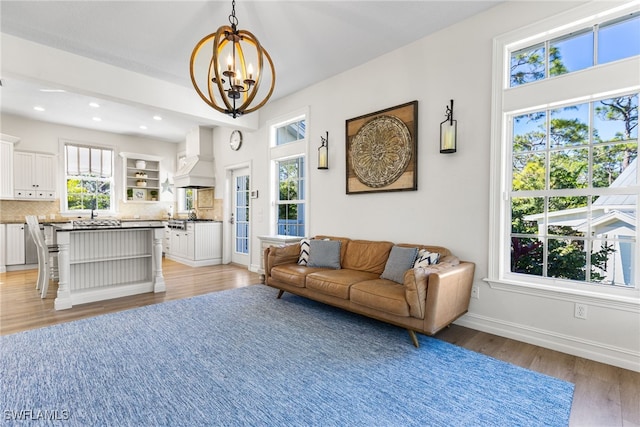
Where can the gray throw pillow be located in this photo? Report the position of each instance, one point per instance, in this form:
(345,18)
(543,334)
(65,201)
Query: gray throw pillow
(400,260)
(324,253)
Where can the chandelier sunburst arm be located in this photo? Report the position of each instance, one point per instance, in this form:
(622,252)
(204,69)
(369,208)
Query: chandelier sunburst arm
(211,100)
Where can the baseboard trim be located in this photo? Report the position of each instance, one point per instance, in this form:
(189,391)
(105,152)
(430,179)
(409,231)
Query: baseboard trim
(587,349)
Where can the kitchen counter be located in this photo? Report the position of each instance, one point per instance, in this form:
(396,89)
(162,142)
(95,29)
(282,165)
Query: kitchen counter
(106,225)
(97,262)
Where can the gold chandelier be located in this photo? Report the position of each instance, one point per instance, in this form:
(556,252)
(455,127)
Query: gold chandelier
(242,81)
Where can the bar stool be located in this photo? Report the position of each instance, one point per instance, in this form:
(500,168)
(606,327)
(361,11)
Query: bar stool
(47,261)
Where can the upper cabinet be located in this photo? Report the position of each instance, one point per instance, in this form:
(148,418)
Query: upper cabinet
(141,177)
(6,165)
(34,175)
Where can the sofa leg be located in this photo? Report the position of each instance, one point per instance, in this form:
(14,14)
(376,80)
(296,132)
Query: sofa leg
(414,338)
(280,293)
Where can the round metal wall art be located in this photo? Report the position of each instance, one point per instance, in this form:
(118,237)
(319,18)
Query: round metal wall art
(380,151)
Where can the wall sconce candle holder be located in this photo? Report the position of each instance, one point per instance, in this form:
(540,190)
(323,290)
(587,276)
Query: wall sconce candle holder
(448,132)
(323,153)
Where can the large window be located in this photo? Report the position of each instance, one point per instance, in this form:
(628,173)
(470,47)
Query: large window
(573,206)
(566,177)
(289,170)
(89,178)
(290,201)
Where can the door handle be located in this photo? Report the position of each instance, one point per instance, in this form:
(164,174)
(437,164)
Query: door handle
(232,220)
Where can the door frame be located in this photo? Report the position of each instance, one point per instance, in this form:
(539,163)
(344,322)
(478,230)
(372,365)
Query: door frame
(227,205)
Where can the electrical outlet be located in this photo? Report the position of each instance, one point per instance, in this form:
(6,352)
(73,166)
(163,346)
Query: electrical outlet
(580,311)
(475,292)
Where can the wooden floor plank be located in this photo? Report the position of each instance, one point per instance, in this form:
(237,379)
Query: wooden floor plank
(605,395)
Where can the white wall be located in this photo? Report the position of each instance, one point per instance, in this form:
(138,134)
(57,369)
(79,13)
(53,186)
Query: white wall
(451,206)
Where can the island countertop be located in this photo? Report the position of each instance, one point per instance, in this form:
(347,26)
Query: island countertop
(96,225)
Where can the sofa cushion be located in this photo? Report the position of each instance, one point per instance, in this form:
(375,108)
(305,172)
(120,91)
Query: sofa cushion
(336,282)
(366,255)
(324,253)
(400,260)
(426,258)
(381,294)
(292,274)
(303,259)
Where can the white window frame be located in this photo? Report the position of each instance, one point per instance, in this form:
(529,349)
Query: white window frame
(603,81)
(291,150)
(115,185)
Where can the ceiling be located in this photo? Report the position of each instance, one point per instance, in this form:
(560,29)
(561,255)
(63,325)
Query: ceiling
(308,41)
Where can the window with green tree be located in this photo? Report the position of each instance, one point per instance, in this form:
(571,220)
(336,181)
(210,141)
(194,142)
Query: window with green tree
(89,178)
(290,202)
(566,192)
(568,217)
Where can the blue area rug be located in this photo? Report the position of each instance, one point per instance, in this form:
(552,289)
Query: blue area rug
(244,358)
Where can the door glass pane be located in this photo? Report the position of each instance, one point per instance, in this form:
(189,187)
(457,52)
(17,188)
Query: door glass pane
(242,214)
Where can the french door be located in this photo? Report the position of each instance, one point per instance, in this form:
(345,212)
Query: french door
(240,217)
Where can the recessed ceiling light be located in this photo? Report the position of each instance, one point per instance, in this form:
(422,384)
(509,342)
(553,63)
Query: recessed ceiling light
(38,108)
(97,119)
(53,90)
(157,118)
(94,105)
(143,127)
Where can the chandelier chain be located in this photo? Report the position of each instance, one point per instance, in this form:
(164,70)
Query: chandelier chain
(232,18)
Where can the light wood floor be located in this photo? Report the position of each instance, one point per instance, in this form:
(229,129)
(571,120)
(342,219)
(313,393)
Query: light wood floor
(604,395)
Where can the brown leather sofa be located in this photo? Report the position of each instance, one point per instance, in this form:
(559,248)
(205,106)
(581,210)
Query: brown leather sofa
(428,300)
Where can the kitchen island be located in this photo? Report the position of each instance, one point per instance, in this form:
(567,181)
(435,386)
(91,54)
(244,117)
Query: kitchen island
(101,260)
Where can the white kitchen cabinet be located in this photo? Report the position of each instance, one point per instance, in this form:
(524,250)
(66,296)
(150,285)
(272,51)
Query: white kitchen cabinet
(34,175)
(181,243)
(199,245)
(166,241)
(207,241)
(15,244)
(6,165)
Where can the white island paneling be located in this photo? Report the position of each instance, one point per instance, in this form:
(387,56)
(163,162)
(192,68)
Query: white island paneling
(103,263)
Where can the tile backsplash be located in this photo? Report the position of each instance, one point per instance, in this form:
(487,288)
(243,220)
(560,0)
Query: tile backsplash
(12,211)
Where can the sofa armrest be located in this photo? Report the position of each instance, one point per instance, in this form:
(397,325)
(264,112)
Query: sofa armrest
(415,291)
(448,295)
(276,255)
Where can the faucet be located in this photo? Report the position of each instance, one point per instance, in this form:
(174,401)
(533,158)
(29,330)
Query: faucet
(93,214)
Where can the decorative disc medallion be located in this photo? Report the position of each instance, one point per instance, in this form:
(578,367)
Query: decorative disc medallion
(380,151)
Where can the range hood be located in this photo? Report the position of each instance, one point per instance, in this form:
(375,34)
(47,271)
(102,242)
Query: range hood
(198,170)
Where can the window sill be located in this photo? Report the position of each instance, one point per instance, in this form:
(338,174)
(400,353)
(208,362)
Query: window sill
(619,299)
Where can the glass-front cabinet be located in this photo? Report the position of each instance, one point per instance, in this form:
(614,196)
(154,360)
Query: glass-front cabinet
(141,177)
